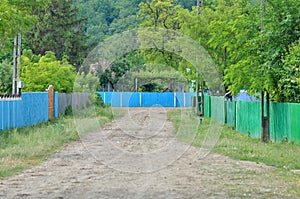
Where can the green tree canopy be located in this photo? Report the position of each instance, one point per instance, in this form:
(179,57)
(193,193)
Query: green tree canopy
(58,30)
(38,72)
(16,16)
(267,37)
(6,77)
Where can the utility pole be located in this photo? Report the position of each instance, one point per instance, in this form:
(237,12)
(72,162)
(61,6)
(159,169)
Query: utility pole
(14,76)
(17,65)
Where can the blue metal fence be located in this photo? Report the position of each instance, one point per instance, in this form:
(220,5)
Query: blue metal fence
(147,99)
(31,109)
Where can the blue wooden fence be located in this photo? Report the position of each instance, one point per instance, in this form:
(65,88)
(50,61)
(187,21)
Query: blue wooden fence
(147,99)
(31,109)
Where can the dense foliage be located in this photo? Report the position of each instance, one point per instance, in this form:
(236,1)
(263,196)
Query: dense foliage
(6,77)
(38,72)
(254,46)
(59,30)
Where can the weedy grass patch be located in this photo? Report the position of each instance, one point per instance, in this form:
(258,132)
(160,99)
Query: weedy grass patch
(284,157)
(238,146)
(24,147)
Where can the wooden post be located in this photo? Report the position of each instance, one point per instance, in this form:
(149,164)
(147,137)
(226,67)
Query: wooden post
(50,91)
(262,101)
(265,120)
(202,99)
(197,93)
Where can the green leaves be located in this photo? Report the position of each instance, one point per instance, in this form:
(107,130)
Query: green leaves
(86,83)
(40,72)
(58,30)
(16,16)
(290,76)
(6,77)
(257,59)
(158,13)
(113,74)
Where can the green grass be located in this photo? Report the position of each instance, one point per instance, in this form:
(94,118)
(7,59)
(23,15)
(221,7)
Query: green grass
(24,147)
(284,157)
(238,146)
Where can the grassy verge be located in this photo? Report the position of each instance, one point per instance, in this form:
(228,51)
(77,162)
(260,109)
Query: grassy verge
(24,147)
(238,146)
(283,156)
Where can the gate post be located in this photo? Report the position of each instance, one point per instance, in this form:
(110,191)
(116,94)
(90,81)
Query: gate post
(50,91)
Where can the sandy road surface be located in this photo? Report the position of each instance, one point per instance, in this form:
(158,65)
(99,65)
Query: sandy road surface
(142,159)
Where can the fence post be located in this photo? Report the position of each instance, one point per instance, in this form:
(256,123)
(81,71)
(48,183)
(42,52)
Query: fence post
(141,99)
(175,100)
(50,102)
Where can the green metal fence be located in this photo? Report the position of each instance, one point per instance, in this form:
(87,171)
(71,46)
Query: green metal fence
(248,118)
(285,122)
(207,106)
(295,122)
(245,116)
(218,109)
(231,113)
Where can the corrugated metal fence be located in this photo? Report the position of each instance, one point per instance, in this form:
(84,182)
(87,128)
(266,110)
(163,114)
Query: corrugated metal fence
(147,99)
(245,116)
(75,100)
(30,109)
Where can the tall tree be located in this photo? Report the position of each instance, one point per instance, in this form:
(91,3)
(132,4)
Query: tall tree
(58,30)
(260,65)
(166,15)
(16,16)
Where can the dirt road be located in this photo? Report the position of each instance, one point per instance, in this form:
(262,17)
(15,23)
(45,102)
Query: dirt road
(137,156)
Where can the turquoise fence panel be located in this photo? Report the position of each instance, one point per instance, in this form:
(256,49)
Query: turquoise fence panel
(106,97)
(35,106)
(30,109)
(295,122)
(207,106)
(218,109)
(147,99)
(180,99)
(280,122)
(116,100)
(184,99)
(188,98)
(130,99)
(56,112)
(231,113)
(248,118)
(157,99)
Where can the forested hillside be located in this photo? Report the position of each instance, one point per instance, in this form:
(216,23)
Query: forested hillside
(107,17)
(254,44)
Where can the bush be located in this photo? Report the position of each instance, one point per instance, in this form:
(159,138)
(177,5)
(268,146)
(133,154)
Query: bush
(95,100)
(38,72)
(6,77)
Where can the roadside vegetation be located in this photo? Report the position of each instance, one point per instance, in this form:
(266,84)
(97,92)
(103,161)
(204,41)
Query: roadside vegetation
(282,157)
(238,146)
(28,146)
